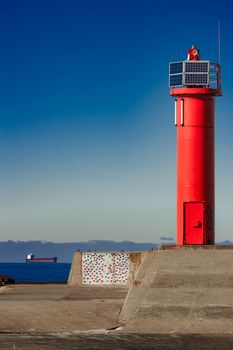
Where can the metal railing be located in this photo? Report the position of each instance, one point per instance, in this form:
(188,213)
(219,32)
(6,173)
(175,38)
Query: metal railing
(215,76)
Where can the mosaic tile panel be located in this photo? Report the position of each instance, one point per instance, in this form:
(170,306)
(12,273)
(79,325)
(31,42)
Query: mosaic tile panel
(105,268)
(121,268)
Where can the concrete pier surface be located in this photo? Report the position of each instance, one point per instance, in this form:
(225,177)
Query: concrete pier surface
(181,298)
(59,308)
(53,317)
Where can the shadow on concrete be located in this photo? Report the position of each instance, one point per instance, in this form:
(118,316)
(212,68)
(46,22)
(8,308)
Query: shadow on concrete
(115,341)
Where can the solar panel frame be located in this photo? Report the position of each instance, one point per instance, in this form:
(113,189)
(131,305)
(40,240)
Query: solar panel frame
(189,73)
(176,71)
(196,73)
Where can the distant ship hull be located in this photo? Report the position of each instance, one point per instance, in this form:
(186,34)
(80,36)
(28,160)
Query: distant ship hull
(42,260)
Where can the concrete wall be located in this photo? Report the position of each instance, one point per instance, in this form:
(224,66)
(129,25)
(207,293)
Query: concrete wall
(182,289)
(104,268)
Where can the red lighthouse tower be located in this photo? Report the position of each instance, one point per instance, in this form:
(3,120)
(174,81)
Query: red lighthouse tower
(195,83)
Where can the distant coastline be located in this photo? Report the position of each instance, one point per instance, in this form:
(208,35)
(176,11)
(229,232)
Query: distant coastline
(11,251)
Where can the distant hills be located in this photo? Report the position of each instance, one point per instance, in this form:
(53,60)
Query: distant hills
(226,243)
(11,251)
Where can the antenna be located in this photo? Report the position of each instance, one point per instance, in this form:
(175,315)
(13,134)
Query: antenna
(219,41)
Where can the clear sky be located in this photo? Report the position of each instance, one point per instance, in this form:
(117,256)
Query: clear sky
(87,141)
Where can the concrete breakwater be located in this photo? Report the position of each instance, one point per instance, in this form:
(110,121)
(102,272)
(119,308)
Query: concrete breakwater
(182,289)
(180,298)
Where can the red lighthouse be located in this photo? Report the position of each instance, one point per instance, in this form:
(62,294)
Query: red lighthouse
(195,83)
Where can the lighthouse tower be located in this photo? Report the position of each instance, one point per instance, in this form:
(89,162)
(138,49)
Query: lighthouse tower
(195,83)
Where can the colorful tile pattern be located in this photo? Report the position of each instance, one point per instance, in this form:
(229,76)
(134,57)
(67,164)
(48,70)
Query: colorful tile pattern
(105,268)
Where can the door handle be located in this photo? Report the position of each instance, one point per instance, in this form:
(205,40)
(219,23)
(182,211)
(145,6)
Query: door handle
(198,224)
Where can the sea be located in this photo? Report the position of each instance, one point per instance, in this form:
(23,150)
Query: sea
(36,272)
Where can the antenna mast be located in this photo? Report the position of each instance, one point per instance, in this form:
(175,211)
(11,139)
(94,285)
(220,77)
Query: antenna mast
(219,41)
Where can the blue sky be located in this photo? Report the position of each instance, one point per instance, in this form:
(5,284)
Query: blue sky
(87,141)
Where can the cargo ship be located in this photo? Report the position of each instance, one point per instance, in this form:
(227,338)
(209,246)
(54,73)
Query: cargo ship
(31,259)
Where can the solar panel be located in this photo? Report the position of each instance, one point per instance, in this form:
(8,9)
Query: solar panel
(176,74)
(196,79)
(189,73)
(176,67)
(196,67)
(176,80)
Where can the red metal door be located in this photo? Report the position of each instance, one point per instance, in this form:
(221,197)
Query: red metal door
(194,223)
